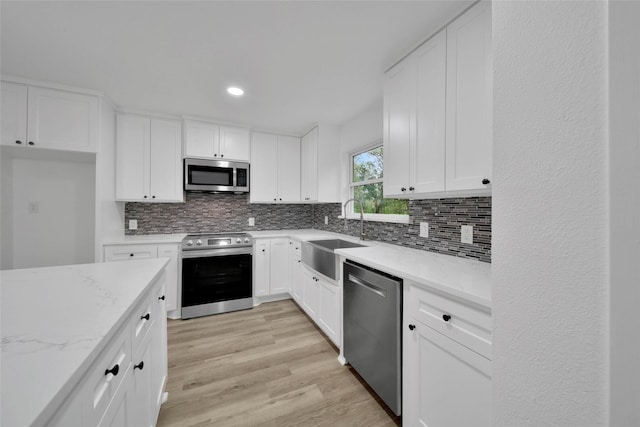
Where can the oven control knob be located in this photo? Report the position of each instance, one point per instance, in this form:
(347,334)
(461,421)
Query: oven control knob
(199,242)
(238,240)
(190,243)
(246,240)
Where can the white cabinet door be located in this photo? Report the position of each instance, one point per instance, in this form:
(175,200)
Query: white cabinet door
(311,294)
(297,279)
(279,271)
(140,407)
(445,383)
(264,168)
(427,158)
(330,308)
(165,162)
(261,268)
(62,120)
(234,143)
(201,139)
(158,357)
(288,169)
(14,114)
(171,251)
(132,157)
(469,99)
(309,167)
(118,414)
(398,126)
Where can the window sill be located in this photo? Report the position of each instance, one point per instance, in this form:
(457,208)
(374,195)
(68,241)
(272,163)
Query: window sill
(398,219)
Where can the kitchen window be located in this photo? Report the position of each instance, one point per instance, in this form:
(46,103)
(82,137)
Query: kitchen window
(366,175)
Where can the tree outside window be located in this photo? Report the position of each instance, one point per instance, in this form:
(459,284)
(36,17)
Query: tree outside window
(367,168)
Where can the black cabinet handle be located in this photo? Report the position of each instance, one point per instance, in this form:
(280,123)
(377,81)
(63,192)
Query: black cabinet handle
(145,197)
(412,327)
(18,142)
(299,261)
(139,365)
(446,317)
(145,317)
(215,155)
(403,189)
(221,155)
(411,188)
(274,199)
(113,371)
(280,198)
(31,143)
(130,254)
(153,197)
(486,181)
(161,298)
(264,250)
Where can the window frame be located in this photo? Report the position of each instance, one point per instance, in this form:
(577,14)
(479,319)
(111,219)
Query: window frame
(395,218)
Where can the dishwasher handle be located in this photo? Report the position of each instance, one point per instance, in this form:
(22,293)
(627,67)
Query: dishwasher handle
(367,285)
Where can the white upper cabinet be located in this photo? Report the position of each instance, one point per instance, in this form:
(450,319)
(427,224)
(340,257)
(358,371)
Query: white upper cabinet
(48,118)
(469,99)
(437,113)
(148,163)
(211,141)
(14,114)
(275,168)
(234,143)
(320,168)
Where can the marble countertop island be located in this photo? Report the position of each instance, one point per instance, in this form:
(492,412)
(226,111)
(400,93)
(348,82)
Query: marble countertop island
(55,321)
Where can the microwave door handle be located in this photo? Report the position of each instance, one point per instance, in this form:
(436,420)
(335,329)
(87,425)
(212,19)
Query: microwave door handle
(235,177)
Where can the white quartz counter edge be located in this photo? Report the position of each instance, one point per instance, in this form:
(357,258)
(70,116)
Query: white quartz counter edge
(48,340)
(149,239)
(463,278)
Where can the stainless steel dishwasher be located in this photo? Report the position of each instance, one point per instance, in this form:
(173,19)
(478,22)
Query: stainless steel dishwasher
(372,330)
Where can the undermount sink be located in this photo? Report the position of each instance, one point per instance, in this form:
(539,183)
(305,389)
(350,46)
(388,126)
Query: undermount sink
(320,256)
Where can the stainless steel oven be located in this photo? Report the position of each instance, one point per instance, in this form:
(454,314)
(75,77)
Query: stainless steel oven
(216,274)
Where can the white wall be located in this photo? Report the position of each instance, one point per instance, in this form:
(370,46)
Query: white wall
(50,198)
(364,129)
(550,214)
(624,152)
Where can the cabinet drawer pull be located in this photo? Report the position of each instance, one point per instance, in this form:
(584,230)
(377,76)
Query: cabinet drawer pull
(130,254)
(161,298)
(153,197)
(145,197)
(221,155)
(113,371)
(412,327)
(403,189)
(411,188)
(31,143)
(145,317)
(486,181)
(18,142)
(139,365)
(446,317)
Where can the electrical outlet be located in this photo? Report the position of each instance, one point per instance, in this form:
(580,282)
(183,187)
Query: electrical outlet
(252,222)
(133,224)
(466,234)
(424,229)
(326,220)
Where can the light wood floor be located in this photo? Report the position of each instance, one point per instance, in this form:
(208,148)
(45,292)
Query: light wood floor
(269,366)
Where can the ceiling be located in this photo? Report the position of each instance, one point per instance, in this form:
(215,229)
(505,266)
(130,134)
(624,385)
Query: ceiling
(300,62)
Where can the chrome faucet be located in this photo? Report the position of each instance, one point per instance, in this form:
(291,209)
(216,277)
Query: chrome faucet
(362,236)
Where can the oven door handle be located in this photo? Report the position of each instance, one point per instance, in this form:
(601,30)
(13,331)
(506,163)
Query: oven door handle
(217,252)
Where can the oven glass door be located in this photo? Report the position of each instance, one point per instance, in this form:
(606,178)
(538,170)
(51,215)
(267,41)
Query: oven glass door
(211,279)
(209,175)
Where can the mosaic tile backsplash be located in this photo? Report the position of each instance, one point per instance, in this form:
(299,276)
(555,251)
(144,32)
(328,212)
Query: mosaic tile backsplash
(205,212)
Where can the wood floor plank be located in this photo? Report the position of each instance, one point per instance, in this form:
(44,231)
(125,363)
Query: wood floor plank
(269,366)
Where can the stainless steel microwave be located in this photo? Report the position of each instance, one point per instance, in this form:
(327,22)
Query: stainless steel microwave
(216,176)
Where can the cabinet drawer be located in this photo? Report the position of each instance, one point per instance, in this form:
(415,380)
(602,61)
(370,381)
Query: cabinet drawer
(296,247)
(142,318)
(103,379)
(123,252)
(467,324)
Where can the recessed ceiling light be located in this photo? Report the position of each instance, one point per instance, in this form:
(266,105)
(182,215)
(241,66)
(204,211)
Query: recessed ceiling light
(235,91)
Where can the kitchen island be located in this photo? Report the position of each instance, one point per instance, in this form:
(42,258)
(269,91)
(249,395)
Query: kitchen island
(65,329)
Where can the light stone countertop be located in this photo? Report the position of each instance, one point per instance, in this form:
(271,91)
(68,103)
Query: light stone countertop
(149,239)
(465,278)
(55,322)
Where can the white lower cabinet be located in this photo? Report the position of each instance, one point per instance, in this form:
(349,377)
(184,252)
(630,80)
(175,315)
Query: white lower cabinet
(165,250)
(310,294)
(270,267)
(295,271)
(123,387)
(445,383)
(330,309)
